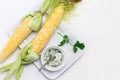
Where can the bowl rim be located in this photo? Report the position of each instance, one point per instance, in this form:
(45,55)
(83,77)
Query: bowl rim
(53,68)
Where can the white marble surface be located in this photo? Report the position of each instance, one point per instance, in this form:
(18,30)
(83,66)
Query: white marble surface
(97,24)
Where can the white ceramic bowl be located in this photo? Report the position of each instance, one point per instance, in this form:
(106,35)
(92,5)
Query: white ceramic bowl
(50,68)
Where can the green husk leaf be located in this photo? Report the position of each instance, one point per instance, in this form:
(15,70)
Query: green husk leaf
(24,51)
(45,5)
(37,18)
(13,68)
(19,72)
(30,57)
(35,25)
(36,22)
(16,66)
(6,67)
(69,5)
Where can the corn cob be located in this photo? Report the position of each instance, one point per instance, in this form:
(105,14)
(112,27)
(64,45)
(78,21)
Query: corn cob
(47,30)
(19,35)
(30,23)
(60,9)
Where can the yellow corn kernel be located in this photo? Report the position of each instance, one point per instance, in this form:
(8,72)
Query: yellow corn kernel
(47,30)
(19,35)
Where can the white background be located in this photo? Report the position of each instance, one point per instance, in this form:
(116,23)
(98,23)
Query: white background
(95,22)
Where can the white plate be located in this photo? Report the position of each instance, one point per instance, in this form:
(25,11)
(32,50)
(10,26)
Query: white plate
(69,55)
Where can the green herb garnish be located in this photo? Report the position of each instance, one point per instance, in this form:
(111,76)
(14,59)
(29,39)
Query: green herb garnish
(78,45)
(66,40)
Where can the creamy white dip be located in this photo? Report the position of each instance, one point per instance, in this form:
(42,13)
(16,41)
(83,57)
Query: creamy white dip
(55,52)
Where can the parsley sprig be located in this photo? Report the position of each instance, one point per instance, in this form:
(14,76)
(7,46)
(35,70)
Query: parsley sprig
(77,45)
(65,40)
